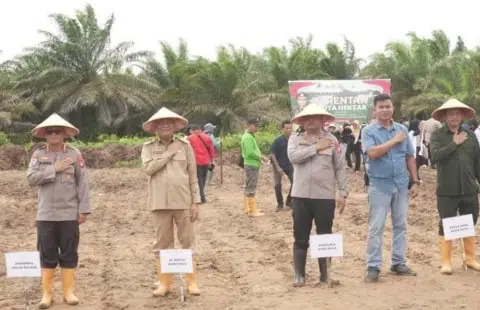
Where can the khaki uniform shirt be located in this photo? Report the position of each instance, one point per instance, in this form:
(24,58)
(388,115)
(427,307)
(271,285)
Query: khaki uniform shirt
(317,175)
(172,174)
(61,195)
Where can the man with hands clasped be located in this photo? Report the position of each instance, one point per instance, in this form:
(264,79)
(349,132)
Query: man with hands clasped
(319,169)
(173,193)
(456,153)
(390,159)
(58,171)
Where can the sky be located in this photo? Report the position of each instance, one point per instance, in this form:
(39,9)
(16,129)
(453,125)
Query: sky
(254,24)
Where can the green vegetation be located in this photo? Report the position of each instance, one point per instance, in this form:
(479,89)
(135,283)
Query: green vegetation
(77,73)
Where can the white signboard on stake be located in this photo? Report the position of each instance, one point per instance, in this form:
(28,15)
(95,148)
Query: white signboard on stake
(176,261)
(458,227)
(328,245)
(23,264)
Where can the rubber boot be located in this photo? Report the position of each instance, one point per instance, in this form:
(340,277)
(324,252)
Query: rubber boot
(299,261)
(68,276)
(191,279)
(165,280)
(323,266)
(446,256)
(252,207)
(48,277)
(469,244)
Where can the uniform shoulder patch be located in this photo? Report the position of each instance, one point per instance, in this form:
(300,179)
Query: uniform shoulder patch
(149,141)
(80,161)
(184,140)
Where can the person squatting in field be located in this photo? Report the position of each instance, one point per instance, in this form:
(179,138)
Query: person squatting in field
(58,171)
(390,158)
(173,193)
(319,167)
(456,152)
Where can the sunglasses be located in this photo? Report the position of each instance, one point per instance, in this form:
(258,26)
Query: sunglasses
(53,131)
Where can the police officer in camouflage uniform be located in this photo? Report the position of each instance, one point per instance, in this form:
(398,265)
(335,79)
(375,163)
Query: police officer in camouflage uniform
(59,173)
(456,152)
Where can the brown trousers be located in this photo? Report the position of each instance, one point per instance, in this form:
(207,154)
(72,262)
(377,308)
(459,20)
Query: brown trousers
(164,229)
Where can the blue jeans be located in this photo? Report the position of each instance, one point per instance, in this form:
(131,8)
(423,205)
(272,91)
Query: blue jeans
(380,202)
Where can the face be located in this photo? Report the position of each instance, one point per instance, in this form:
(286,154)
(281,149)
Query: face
(313,122)
(55,135)
(165,127)
(454,117)
(384,110)
(252,128)
(287,130)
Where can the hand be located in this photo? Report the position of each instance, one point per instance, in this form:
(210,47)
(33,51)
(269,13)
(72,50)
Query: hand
(459,138)
(281,172)
(64,164)
(82,218)
(194,212)
(414,191)
(323,144)
(341,202)
(399,137)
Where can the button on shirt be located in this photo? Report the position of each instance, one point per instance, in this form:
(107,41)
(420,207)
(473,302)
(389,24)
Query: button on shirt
(389,171)
(279,148)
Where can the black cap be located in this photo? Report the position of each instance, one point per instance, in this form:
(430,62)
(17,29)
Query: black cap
(195,127)
(253,121)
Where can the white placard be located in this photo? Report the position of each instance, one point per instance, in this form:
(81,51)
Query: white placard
(176,261)
(458,227)
(328,245)
(23,264)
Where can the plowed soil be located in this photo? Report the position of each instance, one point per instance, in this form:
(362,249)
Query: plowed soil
(244,263)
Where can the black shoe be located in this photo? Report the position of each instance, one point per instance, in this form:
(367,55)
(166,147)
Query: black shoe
(402,270)
(372,274)
(299,260)
(279,207)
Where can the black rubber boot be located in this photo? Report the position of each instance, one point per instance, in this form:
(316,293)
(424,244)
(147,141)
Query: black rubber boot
(299,260)
(323,266)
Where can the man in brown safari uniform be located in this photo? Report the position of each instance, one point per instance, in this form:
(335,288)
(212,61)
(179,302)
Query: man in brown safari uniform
(59,172)
(173,194)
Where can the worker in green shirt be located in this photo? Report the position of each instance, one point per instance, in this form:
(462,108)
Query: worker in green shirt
(251,162)
(456,152)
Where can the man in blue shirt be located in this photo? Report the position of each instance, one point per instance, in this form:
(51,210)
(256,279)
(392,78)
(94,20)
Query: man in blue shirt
(390,158)
(281,164)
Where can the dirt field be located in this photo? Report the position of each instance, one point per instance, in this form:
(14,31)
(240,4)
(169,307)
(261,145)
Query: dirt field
(244,263)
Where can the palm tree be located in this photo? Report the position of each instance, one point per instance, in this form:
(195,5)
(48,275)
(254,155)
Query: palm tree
(82,76)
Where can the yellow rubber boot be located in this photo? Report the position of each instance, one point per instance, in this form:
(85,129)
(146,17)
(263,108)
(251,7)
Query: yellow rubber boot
(68,276)
(469,244)
(191,279)
(48,278)
(252,207)
(165,282)
(446,255)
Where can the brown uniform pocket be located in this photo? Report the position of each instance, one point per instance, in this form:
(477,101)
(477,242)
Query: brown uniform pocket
(68,176)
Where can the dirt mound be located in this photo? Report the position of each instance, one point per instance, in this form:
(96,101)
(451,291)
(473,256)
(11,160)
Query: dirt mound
(109,155)
(13,157)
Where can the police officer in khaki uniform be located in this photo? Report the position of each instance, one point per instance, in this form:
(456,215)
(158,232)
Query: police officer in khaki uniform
(173,194)
(59,173)
(319,184)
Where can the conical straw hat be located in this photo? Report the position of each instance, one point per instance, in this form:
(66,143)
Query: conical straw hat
(164,113)
(54,120)
(439,114)
(313,110)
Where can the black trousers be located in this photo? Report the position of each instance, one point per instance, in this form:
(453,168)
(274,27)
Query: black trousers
(57,243)
(278,187)
(202,179)
(304,211)
(448,206)
(355,149)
